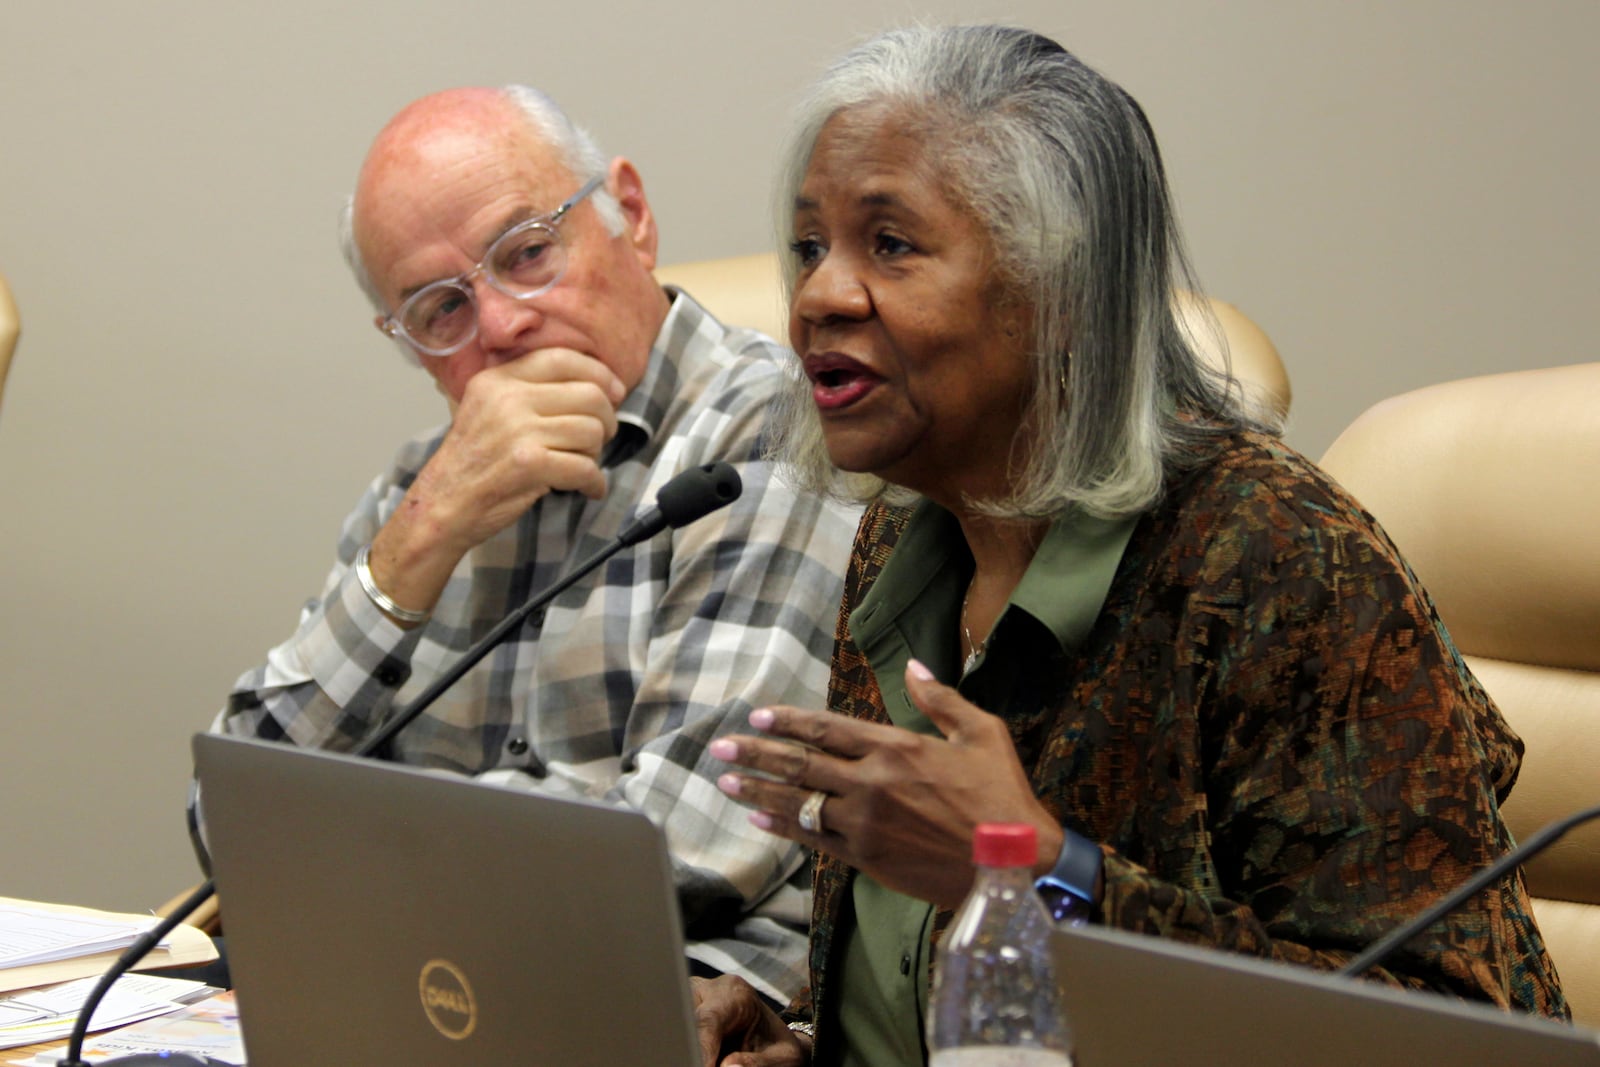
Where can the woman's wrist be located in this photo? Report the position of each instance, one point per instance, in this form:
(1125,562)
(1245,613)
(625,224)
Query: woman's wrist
(1074,886)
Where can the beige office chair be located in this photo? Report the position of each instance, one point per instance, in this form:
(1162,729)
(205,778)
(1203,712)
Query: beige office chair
(10,330)
(748,291)
(1253,357)
(739,290)
(1491,488)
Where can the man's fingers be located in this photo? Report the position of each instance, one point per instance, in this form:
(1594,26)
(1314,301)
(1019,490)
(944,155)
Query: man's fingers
(547,365)
(556,399)
(573,471)
(583,435)
(508,403)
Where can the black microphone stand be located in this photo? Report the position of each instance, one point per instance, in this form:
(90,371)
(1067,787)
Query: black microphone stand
(686,497)
(1397,938)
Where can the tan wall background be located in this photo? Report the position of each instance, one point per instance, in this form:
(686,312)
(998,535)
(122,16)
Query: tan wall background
(1400,193)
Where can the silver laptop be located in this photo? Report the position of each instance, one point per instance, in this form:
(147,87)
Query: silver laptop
(377,914)
(1143,1000)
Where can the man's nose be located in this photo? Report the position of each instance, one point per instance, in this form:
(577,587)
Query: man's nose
(503,321)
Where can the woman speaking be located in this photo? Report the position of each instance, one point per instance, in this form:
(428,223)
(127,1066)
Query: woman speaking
(1092,592)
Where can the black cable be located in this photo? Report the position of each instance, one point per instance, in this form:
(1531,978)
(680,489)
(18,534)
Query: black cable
(130,956)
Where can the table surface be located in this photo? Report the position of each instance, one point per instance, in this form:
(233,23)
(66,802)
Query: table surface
(29,1051)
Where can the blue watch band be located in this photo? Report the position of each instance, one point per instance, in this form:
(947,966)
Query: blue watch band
(1068,890)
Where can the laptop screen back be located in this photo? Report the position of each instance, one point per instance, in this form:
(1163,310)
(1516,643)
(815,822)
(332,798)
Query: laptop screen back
(1148,1000)
(383,914)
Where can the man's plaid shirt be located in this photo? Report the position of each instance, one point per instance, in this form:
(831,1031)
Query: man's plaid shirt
(615,692)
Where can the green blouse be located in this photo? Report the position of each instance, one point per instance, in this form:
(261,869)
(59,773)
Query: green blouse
(913,611)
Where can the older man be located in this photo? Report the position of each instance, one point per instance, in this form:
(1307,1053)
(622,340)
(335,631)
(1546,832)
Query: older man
(514,261)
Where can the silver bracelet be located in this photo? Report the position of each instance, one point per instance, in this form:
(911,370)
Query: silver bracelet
(378,596)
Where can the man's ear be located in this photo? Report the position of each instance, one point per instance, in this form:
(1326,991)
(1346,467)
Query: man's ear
(638,223)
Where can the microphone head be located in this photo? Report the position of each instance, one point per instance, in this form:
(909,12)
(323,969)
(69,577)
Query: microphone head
(698,491)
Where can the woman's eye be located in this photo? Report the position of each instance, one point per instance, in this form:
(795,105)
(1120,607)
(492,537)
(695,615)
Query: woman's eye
(887,244)
(807,250)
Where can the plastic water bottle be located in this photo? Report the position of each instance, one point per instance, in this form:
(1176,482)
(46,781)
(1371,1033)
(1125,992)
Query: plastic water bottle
(994,1000)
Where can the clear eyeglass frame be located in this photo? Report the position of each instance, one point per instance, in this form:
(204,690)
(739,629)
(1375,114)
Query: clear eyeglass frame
(453,298)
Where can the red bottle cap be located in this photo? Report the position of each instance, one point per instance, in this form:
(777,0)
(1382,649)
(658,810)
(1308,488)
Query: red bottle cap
(1005,844)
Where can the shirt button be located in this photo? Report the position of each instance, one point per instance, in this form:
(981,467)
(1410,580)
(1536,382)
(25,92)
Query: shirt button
(905,965)
(517,746)
(391,674)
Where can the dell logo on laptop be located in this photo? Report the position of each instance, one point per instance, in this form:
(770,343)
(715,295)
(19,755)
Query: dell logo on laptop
(447,999)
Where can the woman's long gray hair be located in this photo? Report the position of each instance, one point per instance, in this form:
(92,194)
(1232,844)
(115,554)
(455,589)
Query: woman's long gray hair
(1061,167)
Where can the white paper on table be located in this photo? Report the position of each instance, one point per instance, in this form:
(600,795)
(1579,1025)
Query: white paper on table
(208,1028)
(34,935)
(131,998)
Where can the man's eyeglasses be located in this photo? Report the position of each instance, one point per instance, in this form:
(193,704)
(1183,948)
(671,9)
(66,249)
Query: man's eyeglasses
(526,260)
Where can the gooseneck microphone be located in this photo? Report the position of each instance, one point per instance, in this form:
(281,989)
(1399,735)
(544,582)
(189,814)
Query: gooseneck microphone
(686,497)
(689,495)
(1401,935)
